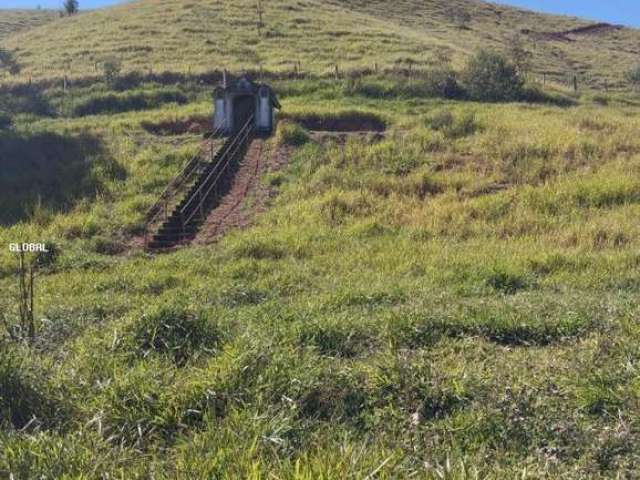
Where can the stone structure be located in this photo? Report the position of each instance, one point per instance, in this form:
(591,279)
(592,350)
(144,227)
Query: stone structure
(240,99)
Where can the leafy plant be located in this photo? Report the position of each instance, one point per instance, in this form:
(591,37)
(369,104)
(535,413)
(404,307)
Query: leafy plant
(488,76)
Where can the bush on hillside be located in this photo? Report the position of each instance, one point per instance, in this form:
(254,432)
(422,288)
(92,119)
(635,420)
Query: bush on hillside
(489,77)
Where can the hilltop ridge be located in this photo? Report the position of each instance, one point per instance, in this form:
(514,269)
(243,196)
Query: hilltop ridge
(202,35)
(16,20)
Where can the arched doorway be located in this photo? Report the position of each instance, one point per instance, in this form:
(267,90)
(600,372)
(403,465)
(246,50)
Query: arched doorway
(243,107)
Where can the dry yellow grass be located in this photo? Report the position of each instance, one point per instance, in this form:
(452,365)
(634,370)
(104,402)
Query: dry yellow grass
(202,35)
(14,21)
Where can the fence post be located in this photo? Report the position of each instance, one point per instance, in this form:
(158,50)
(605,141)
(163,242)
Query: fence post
(575,84)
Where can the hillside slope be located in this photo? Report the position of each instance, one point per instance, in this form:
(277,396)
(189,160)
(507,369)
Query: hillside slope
(13,21)
(209,34)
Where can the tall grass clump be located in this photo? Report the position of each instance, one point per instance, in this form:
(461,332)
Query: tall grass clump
(26,398)
(453,126)
(175,332)
(292,134)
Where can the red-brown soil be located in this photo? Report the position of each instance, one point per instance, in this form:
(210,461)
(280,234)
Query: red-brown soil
(248,196)
(566,35)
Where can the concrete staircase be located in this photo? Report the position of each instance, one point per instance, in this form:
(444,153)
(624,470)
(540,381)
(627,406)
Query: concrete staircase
(177,217)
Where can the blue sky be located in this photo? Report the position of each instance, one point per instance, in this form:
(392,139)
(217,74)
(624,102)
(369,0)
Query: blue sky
(626,12)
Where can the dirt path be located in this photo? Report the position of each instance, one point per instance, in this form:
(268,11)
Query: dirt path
(248,196)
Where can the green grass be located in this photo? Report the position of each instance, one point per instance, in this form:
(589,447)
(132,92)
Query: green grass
(456,299)
(214,34)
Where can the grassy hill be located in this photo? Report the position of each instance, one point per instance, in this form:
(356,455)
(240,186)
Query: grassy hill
(14,21)
(206,34)
(454,297)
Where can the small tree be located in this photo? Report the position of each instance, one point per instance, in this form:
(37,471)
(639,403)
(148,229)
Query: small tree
(71,7)
(111,68)
(488,76)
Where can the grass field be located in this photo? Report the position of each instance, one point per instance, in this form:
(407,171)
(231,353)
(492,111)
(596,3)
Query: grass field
(14,21)
(454,297)
(214,34)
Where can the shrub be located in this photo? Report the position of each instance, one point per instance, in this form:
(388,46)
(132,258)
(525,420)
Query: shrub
(489,77)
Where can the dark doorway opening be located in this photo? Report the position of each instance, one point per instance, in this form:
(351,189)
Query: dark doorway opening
(243,108)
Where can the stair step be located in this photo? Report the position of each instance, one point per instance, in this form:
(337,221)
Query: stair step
(172,232)
(158,237)
(178,231)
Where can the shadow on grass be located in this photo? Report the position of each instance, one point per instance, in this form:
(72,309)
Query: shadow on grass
(521,332)
(52,172)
